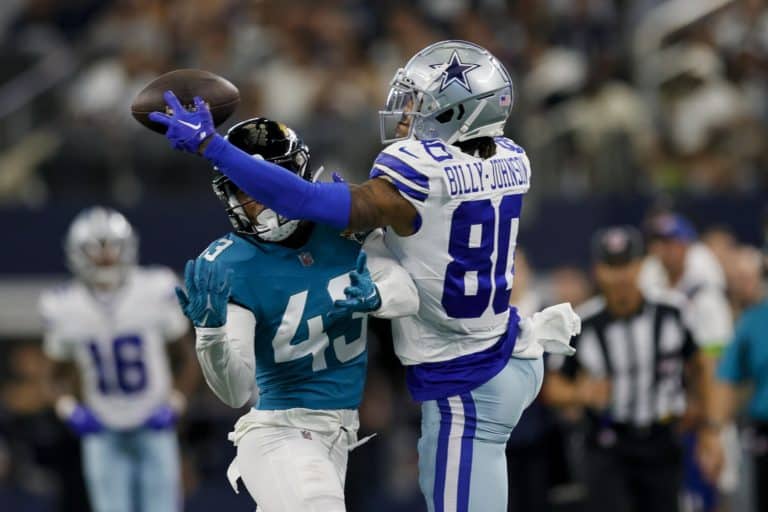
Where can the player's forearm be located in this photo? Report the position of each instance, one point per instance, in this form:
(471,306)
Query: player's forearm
(230,376)
(720,404)
(279,189)
(397,291)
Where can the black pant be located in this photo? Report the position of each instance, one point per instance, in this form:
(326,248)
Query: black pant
(759,450)
(634,472)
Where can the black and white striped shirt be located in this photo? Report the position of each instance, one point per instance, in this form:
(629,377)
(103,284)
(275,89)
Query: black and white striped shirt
(643,356)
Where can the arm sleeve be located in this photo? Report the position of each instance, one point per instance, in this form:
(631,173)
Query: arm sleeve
(734,365)
(397,290)
(227,357)
(279,189)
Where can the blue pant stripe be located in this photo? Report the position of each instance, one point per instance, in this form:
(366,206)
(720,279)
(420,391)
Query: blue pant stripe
(442,454)
(465,460)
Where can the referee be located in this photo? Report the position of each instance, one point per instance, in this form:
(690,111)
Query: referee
(629,373)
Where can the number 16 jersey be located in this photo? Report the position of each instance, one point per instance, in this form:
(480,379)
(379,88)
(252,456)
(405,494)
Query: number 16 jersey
(462,255)
(118,342)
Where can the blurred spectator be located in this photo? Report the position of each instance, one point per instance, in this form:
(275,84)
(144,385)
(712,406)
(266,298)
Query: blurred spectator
(680,263)
(745,283)
(744,362)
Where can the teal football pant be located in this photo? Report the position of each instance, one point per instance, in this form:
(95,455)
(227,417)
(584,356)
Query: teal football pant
(462,462)
(134,470)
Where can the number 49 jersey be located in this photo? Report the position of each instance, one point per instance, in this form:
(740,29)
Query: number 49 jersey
(118,342)
(462,254)
(304,358)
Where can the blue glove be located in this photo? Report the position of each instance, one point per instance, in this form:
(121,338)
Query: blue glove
(162,418)
(186,129)
(362,294)
(208,288)
(83,421)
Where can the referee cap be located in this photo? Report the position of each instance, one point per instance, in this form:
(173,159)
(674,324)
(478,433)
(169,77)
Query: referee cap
(617,245)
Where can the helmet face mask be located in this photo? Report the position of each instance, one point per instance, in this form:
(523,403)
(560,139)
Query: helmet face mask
(101,247)
(451,90)
(268,225)
(272,141)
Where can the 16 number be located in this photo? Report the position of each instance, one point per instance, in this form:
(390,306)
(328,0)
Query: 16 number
(129,369)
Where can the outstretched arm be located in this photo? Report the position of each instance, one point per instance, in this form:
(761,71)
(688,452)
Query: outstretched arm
(375,203)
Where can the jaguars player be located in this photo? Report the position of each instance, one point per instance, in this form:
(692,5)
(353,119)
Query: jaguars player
(113,321)
(262,300)
(450,188)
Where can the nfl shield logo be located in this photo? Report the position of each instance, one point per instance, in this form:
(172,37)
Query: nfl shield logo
(505,100)
(306,259)
(306,434)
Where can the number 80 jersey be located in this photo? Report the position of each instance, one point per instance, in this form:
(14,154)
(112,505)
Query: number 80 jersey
(462,255)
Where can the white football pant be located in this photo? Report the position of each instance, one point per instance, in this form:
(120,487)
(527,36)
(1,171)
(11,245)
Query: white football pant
(294,460)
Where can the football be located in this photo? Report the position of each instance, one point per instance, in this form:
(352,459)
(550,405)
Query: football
(219,93)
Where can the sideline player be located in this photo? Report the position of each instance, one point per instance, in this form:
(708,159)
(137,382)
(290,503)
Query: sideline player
(113,321)
(450,190)
(262,301)
(681,263)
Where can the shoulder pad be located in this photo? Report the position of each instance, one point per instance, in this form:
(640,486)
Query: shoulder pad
(159,277)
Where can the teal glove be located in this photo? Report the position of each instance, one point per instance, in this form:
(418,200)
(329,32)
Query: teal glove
(208,287)
(362,294)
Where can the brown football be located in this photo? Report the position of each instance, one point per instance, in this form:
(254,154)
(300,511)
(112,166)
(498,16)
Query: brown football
(219,93)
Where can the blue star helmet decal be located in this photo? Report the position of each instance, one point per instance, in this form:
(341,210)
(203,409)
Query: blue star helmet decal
(455,71)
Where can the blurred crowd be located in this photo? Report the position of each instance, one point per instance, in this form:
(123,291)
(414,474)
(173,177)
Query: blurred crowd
(613,97)
(642,96)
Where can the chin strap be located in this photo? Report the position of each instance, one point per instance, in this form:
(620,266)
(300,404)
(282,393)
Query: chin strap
(464,128)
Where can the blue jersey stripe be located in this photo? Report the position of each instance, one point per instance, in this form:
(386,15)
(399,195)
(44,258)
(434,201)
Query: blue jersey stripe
(402,187)
(438,493)
(465,461)
(402,168)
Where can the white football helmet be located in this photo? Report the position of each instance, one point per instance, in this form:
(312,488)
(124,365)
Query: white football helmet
(101,247)
(451,90)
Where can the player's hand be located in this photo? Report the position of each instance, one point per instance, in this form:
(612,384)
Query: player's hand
(162,418)
(80,418)
(208,288)
(186,129)
(362,294)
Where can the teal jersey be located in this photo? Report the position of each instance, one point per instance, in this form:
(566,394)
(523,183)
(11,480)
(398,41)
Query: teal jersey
(746,358)
(302,358)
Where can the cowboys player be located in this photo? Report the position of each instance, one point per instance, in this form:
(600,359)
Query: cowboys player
(113,321)
(450,189)
(262,301)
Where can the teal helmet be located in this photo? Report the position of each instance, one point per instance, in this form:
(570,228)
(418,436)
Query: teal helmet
(451,90)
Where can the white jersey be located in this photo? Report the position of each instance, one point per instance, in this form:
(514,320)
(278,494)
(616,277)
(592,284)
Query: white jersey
(703,284)
(462,254)
(117,342)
